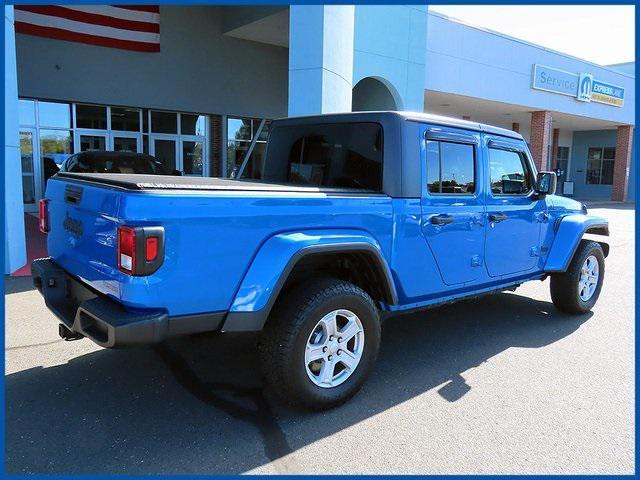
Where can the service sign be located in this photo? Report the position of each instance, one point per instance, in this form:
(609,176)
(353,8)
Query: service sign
(582,86)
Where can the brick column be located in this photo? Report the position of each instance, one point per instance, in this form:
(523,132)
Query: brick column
(622,163)
(554,148)
(515,126)
(216,146)
(539,140)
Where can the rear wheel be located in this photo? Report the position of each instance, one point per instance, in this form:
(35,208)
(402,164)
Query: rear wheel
(577,290)
(320,344)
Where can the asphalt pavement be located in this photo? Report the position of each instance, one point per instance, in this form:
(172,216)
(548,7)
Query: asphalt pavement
(501,384)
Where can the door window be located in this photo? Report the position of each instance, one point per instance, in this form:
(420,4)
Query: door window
(450,168)
(125,144)
(93,142)
(509,172)
(165,152)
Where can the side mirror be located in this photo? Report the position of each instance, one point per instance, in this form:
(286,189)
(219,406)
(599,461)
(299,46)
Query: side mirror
(546,183)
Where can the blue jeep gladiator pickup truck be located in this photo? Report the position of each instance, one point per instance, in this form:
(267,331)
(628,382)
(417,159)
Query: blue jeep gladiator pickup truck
(348,219)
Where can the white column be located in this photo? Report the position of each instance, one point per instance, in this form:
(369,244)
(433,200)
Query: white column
(320,58)
(15,255)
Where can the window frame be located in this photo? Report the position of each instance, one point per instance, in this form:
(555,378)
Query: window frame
(601,161)
(526,163)
(474,147)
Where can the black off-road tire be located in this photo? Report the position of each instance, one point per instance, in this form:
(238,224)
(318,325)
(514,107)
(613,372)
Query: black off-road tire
(564,286)
(285,336)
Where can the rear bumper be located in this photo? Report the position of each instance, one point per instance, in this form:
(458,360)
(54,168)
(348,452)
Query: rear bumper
(105,321)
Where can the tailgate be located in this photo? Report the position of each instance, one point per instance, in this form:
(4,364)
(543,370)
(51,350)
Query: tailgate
(82,231)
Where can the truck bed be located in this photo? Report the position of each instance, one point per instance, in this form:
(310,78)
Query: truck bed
(169,182)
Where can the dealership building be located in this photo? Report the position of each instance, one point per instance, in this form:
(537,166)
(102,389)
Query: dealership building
(197,86)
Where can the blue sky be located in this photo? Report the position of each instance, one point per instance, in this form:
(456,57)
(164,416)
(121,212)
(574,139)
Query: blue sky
(602,34)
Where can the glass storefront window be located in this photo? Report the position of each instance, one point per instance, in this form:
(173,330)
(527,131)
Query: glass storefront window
(125,144)
(595,154)
(26,158)
(56,144)
(600,163)
(164,122)
(26,112)
(240,133)
(165,153)
(264,134)
(125,119)
(53,114)
(93,142)
(192,158)
(238,129)
(255,166)
(235,154)
(91,116)
(192,124)
(609,153)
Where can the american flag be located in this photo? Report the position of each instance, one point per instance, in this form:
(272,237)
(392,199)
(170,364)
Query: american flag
(127,27)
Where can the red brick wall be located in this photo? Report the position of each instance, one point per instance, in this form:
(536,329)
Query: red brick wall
(216,146)
(515,126)
(622,163)
(539,140)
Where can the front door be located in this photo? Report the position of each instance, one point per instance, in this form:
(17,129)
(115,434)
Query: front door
(451,204)
(514,212)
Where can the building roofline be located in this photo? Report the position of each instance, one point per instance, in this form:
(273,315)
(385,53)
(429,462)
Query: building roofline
(531,44)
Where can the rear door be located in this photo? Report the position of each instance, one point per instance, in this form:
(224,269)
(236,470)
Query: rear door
(451,203)
(514,212)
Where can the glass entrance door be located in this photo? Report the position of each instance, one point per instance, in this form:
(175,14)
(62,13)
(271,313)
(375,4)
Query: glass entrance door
(193,157)
(88,141)
(28,152)
(166,152)
(126,143)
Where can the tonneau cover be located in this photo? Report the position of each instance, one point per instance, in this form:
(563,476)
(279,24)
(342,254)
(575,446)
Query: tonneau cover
(170,182)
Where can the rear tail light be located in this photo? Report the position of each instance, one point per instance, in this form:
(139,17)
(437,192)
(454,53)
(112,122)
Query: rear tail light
(140,249)
(43,216)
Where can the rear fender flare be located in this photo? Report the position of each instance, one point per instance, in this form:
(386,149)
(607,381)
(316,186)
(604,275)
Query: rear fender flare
(278,256)
(569,232)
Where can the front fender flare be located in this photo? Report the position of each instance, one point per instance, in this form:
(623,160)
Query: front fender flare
(274,261)
(570,230)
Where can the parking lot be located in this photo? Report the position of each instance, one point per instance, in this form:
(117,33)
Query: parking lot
(503,384)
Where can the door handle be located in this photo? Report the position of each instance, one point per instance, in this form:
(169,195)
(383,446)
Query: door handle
(497,217)
(442,219)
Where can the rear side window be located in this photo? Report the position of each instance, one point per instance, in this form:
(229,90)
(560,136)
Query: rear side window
(345,155)
(450,168)
(508,172)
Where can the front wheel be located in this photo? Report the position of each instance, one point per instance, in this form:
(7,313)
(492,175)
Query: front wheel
(577,290)
(320,344)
